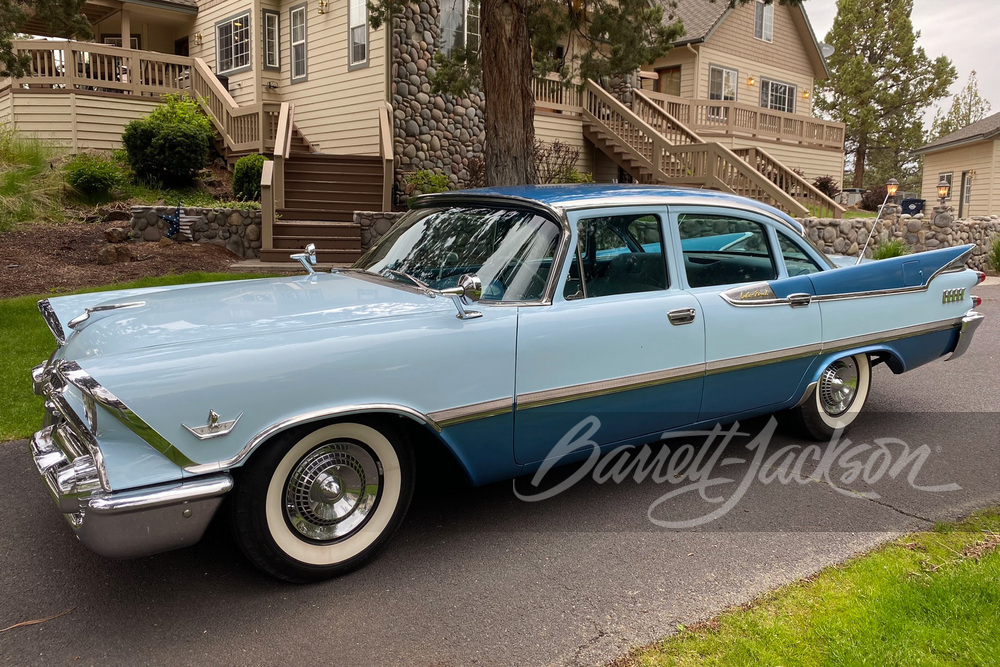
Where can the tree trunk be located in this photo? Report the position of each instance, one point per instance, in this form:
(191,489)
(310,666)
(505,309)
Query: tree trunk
(860,155)
(510,105)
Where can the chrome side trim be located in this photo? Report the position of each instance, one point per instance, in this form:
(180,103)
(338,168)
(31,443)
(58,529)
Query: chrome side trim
(201,468)
(94,313)
(49,315)
(160,496)
(466,413)
(762,358)
(966,331)
(537,399)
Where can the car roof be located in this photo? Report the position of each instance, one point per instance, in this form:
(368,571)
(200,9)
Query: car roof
(589,195)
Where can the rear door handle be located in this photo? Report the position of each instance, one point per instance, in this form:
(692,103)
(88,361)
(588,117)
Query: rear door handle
(681,316)
(799,300)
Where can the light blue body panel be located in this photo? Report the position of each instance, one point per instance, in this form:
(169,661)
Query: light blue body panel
(275,350)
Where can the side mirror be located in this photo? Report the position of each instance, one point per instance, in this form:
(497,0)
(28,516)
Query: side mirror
(469,287)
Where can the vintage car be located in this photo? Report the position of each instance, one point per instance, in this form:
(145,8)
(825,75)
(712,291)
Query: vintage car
(487,323)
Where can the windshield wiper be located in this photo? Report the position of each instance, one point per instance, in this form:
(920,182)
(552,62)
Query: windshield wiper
(416,281)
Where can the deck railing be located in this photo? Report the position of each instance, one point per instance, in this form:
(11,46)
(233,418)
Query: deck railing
(554,95)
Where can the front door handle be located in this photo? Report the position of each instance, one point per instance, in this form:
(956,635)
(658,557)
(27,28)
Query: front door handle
(681,316)
(799,300)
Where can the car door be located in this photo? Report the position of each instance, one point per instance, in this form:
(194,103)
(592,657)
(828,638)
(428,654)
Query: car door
(757,346)
(621,341)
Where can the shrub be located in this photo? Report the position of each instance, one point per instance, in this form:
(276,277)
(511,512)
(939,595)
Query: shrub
(827,185)
(246,177)
(93,176)
(426,181)
(171,144)
(573,175)
(893,248)
(872,199)
(993,254)
(554,160)
(30,188)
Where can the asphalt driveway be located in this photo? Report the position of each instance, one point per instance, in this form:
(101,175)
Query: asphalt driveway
(477,576)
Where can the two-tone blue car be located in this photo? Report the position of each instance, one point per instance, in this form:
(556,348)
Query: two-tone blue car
(487,323)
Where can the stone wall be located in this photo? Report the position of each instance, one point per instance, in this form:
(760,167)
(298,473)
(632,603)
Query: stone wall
(437,132)
(374,225)
(918,232)
(238,230)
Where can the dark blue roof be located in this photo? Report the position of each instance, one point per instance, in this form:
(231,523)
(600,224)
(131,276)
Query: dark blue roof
(567,196)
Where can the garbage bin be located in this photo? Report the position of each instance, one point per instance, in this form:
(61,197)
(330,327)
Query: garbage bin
(913,206)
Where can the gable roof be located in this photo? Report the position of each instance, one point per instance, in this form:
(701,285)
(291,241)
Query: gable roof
(702,17)
(978,131)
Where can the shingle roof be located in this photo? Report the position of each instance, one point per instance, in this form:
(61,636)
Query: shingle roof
(983,129)
(699,17)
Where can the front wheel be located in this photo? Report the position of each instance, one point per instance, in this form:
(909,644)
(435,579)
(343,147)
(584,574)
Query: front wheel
(840,394)
(315,505)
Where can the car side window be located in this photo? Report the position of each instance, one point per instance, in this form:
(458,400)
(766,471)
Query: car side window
(723,250)
(620,254)
(797,261)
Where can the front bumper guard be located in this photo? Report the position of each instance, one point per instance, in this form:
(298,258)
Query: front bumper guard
(131,523)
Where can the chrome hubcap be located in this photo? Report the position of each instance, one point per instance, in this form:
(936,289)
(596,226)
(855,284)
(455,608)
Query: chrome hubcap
(838,386)
(332,491)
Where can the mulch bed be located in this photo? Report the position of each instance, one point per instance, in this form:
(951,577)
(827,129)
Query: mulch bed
(46,259)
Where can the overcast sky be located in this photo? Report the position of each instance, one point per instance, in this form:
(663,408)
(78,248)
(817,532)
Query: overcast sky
(967,31)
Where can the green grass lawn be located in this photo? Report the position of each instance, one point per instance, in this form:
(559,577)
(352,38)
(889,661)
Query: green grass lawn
(27,341)
(859,214)
(926,599)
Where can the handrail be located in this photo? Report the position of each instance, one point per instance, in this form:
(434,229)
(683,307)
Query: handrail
(386,152)
(819,205)
(267,207)
(553,94)
(675,131)
(240,127)
(283,135)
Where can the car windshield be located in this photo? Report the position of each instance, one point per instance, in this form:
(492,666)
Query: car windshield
(512,251)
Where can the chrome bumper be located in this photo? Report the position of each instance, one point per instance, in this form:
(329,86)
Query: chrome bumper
(966,331)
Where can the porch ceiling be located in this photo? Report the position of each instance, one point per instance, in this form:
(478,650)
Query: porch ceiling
(170,12)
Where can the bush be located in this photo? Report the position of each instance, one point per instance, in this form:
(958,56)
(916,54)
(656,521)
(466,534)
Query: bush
(993,254)
(872,200)
(426,181)
(171,144)
(246,177)
(93,176)
(30,189)
(573,175)
(827,185)
(893,248)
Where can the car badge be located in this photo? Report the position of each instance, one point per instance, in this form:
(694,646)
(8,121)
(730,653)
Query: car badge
(214,428)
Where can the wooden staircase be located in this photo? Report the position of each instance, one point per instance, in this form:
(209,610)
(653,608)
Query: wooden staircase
(321,194)
(654,147)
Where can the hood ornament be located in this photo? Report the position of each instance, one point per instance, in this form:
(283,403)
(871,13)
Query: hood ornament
(214,428)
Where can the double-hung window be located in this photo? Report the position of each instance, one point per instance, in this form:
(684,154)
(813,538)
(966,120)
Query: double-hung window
(777,96)
(297,21)
(232,44)
(272,35)
(763,25)
(721,86)
(460,25)
(357,37)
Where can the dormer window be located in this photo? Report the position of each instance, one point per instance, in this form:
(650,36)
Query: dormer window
(763,26)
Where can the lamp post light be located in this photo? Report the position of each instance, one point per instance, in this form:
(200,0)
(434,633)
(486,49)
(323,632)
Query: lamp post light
(890,191)
(943,189)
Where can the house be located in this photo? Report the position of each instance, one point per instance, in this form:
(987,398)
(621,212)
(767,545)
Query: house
(969,160)
(348,111)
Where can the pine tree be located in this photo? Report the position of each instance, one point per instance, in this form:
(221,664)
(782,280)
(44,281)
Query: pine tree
(61,17)
(967,107)
(880,84)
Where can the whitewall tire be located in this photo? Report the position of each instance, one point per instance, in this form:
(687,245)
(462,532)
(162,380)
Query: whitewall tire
(839,397)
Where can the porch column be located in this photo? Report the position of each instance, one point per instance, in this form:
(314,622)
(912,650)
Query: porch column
(129,75)
(126,28)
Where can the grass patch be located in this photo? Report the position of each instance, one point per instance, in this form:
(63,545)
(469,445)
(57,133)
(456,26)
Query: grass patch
(893,248)
(860,214)
(925,599)
(27,342)
(30,188)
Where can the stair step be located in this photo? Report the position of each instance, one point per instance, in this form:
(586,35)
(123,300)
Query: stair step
(321,242)
(325,207)
(288,227)
(339,256)
(318,214)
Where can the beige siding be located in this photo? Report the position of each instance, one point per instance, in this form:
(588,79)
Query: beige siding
(241,86)
(785,59)
(77,120)
(982,158)
(550,127)
(5,99)
(605,169)
(335,108)
(810,161)
(688,62)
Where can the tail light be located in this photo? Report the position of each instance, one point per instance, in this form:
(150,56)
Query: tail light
(980,276)
(976,301)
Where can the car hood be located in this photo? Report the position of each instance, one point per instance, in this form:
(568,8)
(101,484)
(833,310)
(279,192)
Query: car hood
(130,320)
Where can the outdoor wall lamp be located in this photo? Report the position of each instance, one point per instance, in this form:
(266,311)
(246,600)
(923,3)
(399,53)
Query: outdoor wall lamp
(197,39)
(943,190)
(751,81)
(805,94)
(322,4)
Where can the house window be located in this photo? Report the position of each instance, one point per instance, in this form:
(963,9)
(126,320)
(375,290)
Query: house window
(116,40)
(232,48)
(777,96)
(948,176)
(968,189)
(668,81)
(722,83)
(358,34)
(272,48)
(297,19)
(763,26)
(459,25)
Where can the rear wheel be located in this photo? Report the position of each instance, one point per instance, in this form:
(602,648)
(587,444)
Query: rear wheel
(840,394)
(318,504)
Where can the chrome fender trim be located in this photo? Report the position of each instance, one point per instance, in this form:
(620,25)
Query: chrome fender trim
(317,415)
